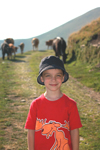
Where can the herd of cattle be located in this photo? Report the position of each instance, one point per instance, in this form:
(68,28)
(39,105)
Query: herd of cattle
(8,48)
(58,44)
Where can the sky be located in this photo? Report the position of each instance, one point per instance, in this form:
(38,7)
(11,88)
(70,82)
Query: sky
(22,19)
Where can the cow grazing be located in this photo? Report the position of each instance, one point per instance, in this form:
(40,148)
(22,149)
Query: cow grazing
(16,49)
(9,40)
(5,50)
(49,43)
(59,46)
(13,49)
(35,43)
(21,47)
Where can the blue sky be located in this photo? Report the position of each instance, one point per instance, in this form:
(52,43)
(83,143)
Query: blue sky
(29,18)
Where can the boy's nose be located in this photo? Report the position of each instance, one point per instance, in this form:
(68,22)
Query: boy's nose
(54,78)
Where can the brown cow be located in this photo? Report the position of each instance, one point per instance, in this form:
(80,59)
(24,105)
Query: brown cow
(13,49)
(21,47)
(5,50)
(49,43)
(35,43)
(9,40)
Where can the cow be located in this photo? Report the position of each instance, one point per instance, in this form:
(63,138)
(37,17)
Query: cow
(9,40)
(59,46)
(13,49)
(35,43)
(49,43)
(5,50)
(21,47)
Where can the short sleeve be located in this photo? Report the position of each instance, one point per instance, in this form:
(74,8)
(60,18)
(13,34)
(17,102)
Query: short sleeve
(31,118)
(74,118)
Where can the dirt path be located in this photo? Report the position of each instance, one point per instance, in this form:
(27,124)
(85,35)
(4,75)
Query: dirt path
(89,92)
(22,70)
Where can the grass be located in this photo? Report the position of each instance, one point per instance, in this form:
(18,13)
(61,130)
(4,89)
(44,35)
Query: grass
(84,72)
(18,87)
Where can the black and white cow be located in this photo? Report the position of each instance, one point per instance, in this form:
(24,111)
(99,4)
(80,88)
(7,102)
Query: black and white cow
(59,46)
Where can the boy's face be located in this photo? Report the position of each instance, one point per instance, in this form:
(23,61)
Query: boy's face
(52,78)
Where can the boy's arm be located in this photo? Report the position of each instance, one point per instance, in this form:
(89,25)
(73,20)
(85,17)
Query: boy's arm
(75,139)
(30,137)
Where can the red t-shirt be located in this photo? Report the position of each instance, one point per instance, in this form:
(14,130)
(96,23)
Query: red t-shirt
(52,122)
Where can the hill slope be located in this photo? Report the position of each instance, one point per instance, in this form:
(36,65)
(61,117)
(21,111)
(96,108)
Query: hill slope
(64,30)
(85,43)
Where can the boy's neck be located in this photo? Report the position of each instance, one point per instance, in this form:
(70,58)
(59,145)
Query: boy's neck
(54,96)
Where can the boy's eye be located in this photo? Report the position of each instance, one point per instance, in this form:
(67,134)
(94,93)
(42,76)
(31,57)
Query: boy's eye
(59,75)
(47,75)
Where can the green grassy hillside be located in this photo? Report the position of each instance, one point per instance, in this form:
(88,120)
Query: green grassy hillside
(84,54)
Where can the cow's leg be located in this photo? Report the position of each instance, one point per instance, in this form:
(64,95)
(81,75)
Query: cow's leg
(56,54)
(64,58)
(33,47)
(11,55)
(14,55)
(3,56)
(7,55)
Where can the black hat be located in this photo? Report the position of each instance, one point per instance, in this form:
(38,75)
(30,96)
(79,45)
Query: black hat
(51,62)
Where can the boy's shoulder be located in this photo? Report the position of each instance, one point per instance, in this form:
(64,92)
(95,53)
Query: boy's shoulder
(38,99)
(69,100)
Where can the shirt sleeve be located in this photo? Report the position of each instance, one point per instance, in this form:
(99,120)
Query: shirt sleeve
(74,118)
(31,118)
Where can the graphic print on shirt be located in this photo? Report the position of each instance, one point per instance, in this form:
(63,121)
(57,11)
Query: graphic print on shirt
(47,129)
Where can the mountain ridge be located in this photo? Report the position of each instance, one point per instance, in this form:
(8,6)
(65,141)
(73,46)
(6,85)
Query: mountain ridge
(63,30)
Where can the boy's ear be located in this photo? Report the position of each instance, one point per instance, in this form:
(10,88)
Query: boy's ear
(41,79)
(63,77)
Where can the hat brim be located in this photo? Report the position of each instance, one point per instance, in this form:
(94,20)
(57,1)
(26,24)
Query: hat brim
(66,75)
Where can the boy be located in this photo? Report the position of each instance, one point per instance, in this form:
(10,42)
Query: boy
(53,120)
